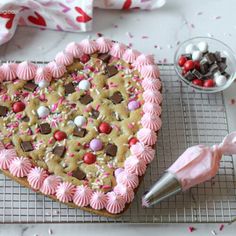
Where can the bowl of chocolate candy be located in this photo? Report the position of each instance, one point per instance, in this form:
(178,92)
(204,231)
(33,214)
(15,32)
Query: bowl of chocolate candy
(206,64)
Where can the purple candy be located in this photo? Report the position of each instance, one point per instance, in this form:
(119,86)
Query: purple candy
(118,171)
(133,105)
(96,144)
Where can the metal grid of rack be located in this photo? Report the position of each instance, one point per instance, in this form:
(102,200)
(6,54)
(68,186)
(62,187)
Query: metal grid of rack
(189,118)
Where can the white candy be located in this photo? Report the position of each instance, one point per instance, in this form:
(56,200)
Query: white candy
(43,112)
(190,48)
(80,120)
(84,85)
(71,123)
(196,55)
(203,46)
(216,74)
(43,84)
(220,80)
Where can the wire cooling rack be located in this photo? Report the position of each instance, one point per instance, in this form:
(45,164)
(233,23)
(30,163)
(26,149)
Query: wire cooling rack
(189,118)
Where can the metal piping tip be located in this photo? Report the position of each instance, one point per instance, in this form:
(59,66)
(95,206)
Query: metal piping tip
(167,186)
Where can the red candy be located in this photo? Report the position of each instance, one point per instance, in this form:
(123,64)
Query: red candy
(104,128)
(197,65)
(89,158)
(133,141)
(188,65)
(18,107)
(59,135)
(85,58)
(182,60)
(198,82)
(209,83)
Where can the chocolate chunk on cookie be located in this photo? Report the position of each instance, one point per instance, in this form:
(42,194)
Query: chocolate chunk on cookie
(95,114)
(86,99)
(111,71)
(25,119)
(27,146)
(45,128)
(78,174)
(69,88)
(59,151)
(3,110)
(30,86)
(105,57)
(79,132)
(111,149)
(116,98)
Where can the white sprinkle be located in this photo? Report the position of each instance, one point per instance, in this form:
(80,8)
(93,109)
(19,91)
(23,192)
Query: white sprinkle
(213,232)
(50,231)
(217,17)
(169,46)
(199,13)
(129,35)
(210,35)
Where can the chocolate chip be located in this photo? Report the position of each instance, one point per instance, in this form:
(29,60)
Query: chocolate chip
(187,55)
(104,57)
(214,68)
(79,132)
(78,174)
(25,119)
(111,149)
(222,66)
(86,99)
(27,146)
(226,74)
(210,57)
(189,76)
(197,74)
(30,86)
(217,56)
(223,59)
(116,98)
(59,151)
(111,70)
(3,110)
(204,67)
(95,114)
(69,88)
(45,128)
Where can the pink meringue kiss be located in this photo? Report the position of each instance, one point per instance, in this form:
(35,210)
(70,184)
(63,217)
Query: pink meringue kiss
(150,121)
(134,165)
(57,70)
(117,50)
(36,177)
(20,167)
(75,49)
(9,71)
(64,58)
(50,184)
(152,96)
(147,136)
(98,200)
(104,45)
(143,152)
(130,55)
(151,83)
(115,203)
(42,74)
(65,192)
(150,71)
(6,156)
(143,60)
(88,46)
(128,179)
(152,108)
(82,196)
(126,192)
(26,70)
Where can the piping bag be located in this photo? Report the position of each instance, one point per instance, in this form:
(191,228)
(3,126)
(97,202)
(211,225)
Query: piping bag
(196,165)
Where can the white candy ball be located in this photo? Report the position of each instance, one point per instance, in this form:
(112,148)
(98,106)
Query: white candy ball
(216,74)
(43,84)
(196,55)
(43,112)
(71,123)
(203,46)
(190,48)
(80,120)
(84,85)
(220,80)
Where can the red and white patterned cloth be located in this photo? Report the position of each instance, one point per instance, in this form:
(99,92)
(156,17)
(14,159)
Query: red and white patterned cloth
(62,15)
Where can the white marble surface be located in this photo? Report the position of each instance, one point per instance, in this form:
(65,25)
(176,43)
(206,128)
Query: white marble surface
(177,21)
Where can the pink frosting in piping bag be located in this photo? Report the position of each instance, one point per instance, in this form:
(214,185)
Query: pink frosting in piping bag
(200,163)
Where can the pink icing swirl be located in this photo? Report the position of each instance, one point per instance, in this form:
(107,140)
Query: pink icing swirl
(26,70)
(147,136)
(130,55)
(143,60)
(57,70)
(134,165)
(128,179)
(143,152)
(126,192)
(115,203)
(150,71)
(151,83)
(82,196)
(20,166)
(150,121)
(98,200)
(64,58)
(117,50)
(6,156)
(152,96)
(104,45)
(88,46)
(152,108)
(75,49)
(65,192)
(43,74)
(9,71)
(36,177)
(50,184)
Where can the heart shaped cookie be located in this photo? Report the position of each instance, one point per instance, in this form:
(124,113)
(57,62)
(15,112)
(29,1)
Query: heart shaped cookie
(81,129)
